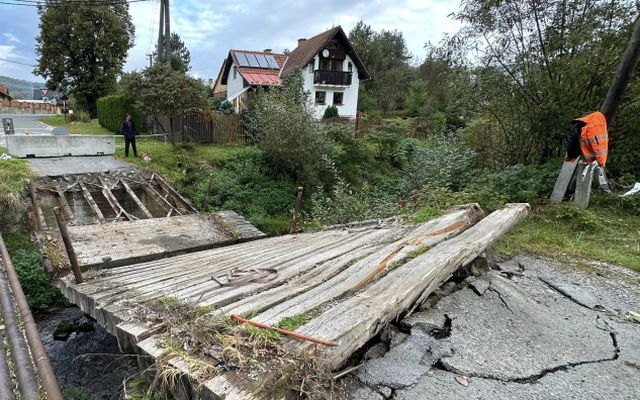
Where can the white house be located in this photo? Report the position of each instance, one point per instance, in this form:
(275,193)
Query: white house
(331,68)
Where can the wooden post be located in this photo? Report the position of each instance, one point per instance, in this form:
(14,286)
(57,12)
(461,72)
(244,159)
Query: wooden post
(628,65)
(296,211)
(65,205)
(73,260)
(206,198)
(113,202)
(34,206)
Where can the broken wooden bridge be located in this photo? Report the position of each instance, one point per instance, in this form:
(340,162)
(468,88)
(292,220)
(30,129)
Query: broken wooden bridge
(348,282)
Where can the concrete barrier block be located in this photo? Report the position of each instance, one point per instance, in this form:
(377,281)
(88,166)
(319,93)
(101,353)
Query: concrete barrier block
(60,146)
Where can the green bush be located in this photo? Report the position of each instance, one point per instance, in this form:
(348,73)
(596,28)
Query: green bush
(113,109)
(331,112)
(26,260)
(386,138)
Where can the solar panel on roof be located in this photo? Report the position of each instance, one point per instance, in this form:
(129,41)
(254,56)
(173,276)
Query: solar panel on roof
(252,60)
(271,60)
(242,59)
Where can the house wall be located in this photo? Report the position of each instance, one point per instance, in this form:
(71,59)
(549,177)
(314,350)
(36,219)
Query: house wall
(350,93)
(234,86)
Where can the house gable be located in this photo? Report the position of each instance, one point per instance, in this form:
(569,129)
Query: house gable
(308,49)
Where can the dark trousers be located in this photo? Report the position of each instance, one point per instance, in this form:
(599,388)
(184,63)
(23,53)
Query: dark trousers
(131,142)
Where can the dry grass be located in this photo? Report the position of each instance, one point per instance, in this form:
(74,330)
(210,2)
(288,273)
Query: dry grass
(209,343)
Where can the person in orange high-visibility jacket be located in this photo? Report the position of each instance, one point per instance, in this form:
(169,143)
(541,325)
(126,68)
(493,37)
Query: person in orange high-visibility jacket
(594,138)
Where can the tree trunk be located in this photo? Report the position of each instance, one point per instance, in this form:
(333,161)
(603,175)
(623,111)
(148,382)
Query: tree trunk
(621,80)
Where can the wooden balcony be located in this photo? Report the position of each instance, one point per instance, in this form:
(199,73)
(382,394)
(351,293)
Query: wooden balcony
(326,77)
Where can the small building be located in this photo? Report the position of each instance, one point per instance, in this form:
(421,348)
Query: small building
(50,96)
(331,68)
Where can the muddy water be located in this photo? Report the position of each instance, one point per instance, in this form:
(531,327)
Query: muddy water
(89,361)
(81,209)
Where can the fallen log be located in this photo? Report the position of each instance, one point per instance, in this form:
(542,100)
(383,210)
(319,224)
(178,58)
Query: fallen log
(357,319)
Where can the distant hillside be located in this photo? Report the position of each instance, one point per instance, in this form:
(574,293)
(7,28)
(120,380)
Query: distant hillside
(19,89)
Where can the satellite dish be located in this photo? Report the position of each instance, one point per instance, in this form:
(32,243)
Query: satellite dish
(325,53)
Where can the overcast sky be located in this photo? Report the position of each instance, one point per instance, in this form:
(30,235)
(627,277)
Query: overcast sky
(211,28)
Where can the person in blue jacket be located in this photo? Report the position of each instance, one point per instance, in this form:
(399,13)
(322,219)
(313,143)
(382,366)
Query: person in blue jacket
(128,129)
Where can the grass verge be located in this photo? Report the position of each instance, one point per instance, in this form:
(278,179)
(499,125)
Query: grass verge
(14,175)
(603,232)
(77,127)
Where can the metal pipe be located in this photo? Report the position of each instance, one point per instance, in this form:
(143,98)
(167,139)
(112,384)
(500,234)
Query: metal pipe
(34,206)
(47,377)
(296,211)
(25,374)
(6,386)
(68,245)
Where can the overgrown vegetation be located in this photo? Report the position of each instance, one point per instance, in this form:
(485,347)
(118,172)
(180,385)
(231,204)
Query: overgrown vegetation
(28,264)
(14,176)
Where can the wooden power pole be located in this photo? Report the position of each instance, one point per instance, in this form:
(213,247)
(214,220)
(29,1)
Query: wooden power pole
(164,37)
(627,67)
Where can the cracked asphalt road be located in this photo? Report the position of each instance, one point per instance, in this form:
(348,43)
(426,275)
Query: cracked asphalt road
(529,329)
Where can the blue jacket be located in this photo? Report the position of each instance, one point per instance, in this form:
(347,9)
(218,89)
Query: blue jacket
(128,130)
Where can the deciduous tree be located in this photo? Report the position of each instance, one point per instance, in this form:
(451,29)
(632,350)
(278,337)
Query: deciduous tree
(82,48)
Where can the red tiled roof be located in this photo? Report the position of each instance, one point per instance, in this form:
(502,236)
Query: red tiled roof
(259,76)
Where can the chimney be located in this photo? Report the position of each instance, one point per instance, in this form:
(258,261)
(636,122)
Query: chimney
(267,50)
(301,40)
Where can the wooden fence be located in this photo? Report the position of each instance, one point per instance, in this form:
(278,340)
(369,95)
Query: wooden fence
(198,127)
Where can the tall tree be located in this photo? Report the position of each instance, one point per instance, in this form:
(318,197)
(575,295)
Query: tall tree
(386,57)
(82,48)
(180,54)
(541,63)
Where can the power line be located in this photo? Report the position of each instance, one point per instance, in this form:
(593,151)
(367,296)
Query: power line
(17,62)
(38,3)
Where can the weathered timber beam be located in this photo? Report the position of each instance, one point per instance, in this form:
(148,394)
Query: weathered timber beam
(356,320)
(161,200)
(91,201)
(422,237)
(37,213)
(65,206)
(135,198)
(175,194)
(113,202)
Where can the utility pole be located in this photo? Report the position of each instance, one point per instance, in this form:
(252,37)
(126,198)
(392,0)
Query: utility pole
(164,36)
(627,67)
(150,59)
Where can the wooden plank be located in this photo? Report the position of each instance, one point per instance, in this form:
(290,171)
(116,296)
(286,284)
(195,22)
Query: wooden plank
(113,202)
(161,200)
(567,172)
(584,183)
(357,319)
(136,199)
(91,201)
(426,236)
(177,195)
(65,205)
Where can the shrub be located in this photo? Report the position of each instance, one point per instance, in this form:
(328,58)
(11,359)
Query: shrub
(113,109)
(225,108)
(386,138)
(281,123)
(78,116)
(331,112)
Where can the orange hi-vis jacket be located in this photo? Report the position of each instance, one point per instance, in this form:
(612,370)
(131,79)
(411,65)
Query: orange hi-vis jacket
(594,138)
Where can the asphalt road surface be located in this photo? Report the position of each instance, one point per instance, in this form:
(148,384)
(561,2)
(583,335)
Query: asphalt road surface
(530,328)
(29,122)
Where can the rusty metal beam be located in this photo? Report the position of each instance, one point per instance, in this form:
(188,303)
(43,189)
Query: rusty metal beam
(38,353)
(136,199)
(92,202)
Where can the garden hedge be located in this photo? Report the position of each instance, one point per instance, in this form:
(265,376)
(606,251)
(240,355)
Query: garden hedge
(112,110)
